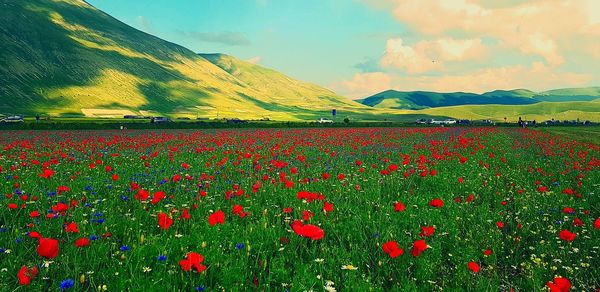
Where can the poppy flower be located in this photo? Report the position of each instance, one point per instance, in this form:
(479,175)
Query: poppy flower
(559,285)
(307,230)
(142,195)
(239,210)
(500,224)
(597,224)
(392,249)
(71,228)
(193,260)
(474,267)
(164,221)
(185,214)
(437,203)
(25,275)
(427,231)
(487,252)
(567,235)
(82,242)
(48,248)
(216,218)
(419,246)
(287,210)
(158,196)
(399,207)
(327,207)
(46,173)
(306,215)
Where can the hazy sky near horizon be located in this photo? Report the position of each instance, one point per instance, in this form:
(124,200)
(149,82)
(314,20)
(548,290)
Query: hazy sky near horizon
(361,47)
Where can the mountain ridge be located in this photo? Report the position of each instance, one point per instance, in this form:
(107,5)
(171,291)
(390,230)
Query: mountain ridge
(416,100)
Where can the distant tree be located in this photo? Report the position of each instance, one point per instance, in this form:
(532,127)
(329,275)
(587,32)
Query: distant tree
(346,120)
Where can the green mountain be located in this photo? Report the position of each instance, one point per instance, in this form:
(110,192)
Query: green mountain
(392,99)
(65,57)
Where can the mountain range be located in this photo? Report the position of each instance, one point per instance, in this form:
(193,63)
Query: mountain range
(425,99)
(68,58)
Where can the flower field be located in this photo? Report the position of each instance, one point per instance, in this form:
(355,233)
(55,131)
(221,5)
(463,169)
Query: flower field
(480,209)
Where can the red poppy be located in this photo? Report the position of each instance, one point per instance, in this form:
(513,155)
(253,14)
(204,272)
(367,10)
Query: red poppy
(392,249)
(287,210)
(48,248)
(567,235)
(597,224)
(327,207)
(142,195)
(71,227)
(437,203)
(399,207)
(26,274)
(82,242)
(193,260)
(487,252)
(427,231)
(559,285)
(306,215)
(164,221)
(185,214)
(500,225)
(47,173)
(239,210)
(474,267)
(216,217)
(158,196)
(577,222)
(419,246)
(34,214)
(307,230)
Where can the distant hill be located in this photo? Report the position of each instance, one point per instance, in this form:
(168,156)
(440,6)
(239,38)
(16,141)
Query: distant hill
(65,57)
(392,99)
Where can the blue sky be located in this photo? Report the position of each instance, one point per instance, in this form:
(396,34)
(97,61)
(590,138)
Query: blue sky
(314,40)
(360,47)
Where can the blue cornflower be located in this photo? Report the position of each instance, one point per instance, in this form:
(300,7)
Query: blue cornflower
(51,194)
(200,288)
(93,237)
(88,188)
(125,248)
(239,246)
(99,221)
(124,198)
(2,250)
(98,214)
(18,240)
(18,192)
(376,235)
(162,257)
(162,182)
(3,229)
(66,284)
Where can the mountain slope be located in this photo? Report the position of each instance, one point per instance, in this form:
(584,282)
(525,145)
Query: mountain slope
(424,99)
(67,57)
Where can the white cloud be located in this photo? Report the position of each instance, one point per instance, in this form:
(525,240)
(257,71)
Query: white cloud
(427,56)
(363,84)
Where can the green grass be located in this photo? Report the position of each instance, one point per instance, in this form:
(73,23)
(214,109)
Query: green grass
(503,171)
(581,134)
